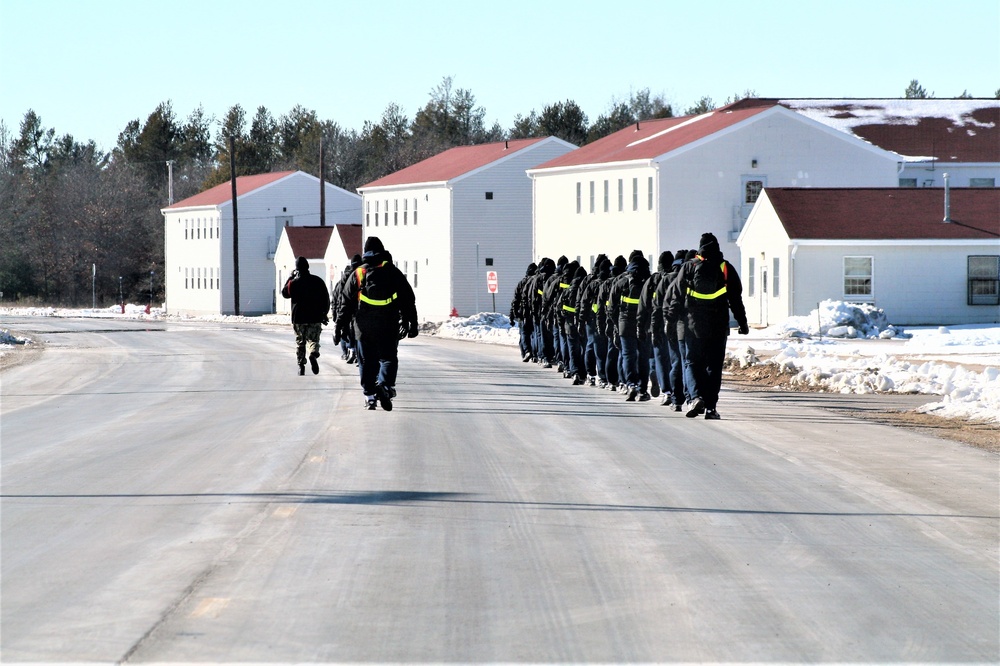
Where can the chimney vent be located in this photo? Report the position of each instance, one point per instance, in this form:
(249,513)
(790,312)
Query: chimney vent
(947,201)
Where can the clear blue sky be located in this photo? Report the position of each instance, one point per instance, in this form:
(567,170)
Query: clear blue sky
(88,67)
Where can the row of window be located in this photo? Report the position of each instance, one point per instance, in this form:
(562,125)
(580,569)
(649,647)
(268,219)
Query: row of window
(197,228)
(201,278)
(384,215)
(607,195)
(929,182)
(983,275)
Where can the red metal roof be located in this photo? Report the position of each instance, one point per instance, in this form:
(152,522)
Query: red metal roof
(309,242)
(452,163)
(886,213)
(223,192)
(350,235)
(947,130)
(652,138)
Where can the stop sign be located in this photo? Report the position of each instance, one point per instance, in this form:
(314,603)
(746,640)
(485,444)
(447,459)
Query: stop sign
(492,285)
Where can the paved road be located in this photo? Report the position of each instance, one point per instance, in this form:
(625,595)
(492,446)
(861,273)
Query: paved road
(174,492)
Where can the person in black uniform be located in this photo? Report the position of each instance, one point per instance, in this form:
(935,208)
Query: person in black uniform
(707,288)
(381,302)
(310,311)
(520,314)
(623,306)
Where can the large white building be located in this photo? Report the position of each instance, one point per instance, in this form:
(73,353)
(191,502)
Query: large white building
(890,247)
(450,219)
(198,239)
(659,184)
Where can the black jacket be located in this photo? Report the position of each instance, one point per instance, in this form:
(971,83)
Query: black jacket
(623,302)
(378,297)
(310,298)
(707,288)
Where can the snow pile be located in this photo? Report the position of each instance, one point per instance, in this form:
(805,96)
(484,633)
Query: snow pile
(8,340)
(490,327)
(837,319)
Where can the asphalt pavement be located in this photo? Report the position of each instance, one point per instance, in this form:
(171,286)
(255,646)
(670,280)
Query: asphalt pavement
(175,492)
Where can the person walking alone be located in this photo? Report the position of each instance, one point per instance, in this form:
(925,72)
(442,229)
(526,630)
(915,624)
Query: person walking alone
(380,300)
(310,311)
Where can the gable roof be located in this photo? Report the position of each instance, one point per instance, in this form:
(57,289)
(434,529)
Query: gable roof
(309,242)
(350,236)
(886,213)
(453,163)
(223,193)
(946,130)
(649,139)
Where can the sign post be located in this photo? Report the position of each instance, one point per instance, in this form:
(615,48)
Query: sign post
(492,286)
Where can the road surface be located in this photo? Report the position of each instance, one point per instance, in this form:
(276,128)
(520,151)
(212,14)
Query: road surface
(173,491)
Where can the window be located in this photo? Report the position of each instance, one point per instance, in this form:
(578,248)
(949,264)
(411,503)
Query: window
(368,219)
(982,182)
(414,211)
(185,229)
(621,195)
(489,261)
(635,194)
(984,280)
(489,196)
(751,282)
(395,218)
(406,210)
(186,278)
(774,272)
(591,196)
(858,276)
(606,192)
(415,264)
(751,191)
(907,182)
(650,203)
(579,197)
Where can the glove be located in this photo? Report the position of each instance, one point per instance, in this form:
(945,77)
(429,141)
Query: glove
(336,335)
(403,329)
(743,329)
(412,332)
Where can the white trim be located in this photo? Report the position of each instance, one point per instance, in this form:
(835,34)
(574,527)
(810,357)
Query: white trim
(403,186)
(602,166)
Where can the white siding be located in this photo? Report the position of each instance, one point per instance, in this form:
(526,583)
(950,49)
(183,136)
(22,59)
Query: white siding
(916,283)
(262,214)
(452,218)
(764,239)
(426,244)
(560,230)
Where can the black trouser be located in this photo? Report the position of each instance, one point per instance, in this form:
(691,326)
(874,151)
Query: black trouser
(705,357)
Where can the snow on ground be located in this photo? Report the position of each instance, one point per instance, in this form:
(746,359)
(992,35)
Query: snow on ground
(839,347)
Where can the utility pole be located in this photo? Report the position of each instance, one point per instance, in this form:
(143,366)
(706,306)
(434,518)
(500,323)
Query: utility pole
(170,182)
(322,187)
(236,228)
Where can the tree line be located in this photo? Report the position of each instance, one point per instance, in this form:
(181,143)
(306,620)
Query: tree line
(67,206)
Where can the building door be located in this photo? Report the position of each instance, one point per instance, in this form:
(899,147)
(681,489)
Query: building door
(763,296)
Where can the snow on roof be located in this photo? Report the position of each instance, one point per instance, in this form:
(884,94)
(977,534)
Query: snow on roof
(309,242)
(946,130)
(452,163)
(886,213)
(223,193)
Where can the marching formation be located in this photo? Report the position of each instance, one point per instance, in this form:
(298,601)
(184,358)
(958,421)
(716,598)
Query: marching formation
(629,329)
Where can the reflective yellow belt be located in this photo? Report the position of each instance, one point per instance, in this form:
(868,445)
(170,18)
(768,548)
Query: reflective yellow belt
(569,309)
(372,301)
(630,301)
(594,307)
(713,296)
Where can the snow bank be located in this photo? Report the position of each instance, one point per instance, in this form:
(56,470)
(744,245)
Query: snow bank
(489,327)
(837,319)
